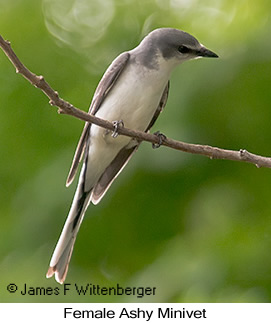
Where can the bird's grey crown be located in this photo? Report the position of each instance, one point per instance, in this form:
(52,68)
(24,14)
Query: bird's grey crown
(171,37)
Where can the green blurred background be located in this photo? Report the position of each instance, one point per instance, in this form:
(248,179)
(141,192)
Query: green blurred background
(198,230)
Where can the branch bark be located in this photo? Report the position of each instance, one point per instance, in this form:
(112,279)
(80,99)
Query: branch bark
(65,107)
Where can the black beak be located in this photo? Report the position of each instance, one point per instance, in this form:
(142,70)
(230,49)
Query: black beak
(204,52)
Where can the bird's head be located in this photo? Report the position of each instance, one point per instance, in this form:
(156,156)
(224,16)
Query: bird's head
(175,45)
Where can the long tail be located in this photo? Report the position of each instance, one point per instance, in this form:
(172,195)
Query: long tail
(61,257)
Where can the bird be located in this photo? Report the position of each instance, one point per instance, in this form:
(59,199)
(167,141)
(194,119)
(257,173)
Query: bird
(132,92)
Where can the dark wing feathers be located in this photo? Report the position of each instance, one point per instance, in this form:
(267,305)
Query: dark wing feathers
(105,85)
(78,154)
(111,172)
(108,80)
(160,107)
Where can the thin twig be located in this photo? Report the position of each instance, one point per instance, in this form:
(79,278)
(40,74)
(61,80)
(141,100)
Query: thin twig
(67,108)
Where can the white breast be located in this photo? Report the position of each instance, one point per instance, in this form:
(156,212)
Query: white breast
(134,98)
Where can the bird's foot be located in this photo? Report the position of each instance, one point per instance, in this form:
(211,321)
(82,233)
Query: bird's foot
(117,124)
(161,137)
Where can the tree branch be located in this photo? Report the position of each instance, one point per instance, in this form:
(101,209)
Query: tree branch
(67,108)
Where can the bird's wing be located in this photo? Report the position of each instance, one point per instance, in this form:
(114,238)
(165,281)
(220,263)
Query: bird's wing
(160,107)
(107,82)
(122,158)
(111,173)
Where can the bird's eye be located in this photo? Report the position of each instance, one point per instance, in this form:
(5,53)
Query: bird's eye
(183,49)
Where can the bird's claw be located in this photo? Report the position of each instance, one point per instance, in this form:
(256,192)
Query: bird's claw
(117,124)
(161,137)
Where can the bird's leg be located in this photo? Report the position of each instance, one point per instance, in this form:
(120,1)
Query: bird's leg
(117,124)
(161,137)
